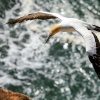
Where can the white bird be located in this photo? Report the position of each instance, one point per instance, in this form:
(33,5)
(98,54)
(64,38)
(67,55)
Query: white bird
(70,25)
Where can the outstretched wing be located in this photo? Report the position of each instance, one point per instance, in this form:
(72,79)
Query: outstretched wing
(37,15)
(92,47)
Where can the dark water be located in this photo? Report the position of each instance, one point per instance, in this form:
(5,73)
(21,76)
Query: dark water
(46,71)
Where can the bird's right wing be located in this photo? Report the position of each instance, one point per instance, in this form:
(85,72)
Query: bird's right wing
(37,15)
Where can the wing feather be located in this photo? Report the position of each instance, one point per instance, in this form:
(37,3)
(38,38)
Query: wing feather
(36,15)
(88,38)
(92,48)
(95,60)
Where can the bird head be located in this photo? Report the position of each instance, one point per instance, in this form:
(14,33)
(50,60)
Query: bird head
(55,29)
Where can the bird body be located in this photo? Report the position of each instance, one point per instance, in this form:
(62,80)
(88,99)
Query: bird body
(70,25)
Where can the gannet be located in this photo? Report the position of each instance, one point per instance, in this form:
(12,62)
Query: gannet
(86,30)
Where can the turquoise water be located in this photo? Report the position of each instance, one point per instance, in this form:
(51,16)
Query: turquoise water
(46,71)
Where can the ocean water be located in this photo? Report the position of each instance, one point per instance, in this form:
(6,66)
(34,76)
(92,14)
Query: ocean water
(46,71)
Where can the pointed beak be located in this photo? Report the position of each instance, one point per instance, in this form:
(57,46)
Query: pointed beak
(48,38)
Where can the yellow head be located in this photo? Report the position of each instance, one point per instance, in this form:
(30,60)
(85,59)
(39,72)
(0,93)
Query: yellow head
(55,29)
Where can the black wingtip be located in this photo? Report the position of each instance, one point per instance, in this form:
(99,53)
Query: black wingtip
(95,60)
(9,22)
(12,21)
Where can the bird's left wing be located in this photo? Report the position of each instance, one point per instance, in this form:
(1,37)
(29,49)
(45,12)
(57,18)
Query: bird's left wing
(37,15)
(92,47)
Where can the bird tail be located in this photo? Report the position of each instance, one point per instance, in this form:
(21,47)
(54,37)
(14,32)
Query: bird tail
(96,28)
